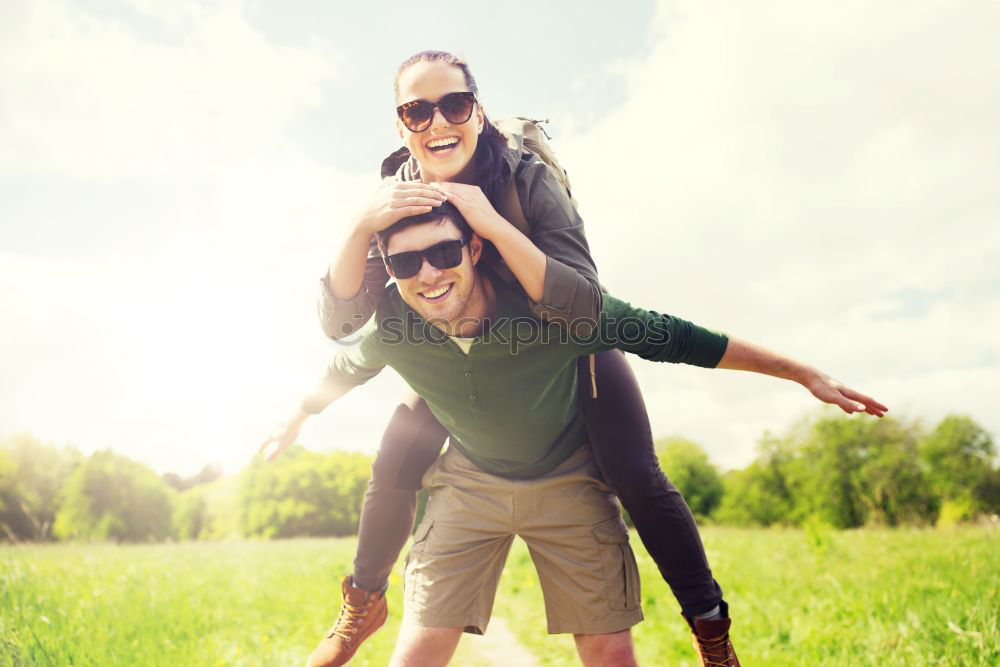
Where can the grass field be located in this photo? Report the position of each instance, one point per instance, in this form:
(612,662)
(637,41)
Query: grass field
(798,598)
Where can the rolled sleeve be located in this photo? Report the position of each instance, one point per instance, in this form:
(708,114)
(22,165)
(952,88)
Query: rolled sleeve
(359,361)
(352,370)
(343,317)
(571,290)
(565,300)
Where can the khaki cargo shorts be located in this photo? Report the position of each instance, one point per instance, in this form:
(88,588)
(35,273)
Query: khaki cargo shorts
(570,522)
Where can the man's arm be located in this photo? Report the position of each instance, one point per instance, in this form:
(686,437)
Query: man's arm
(659,337)
(353,366)
(744,356)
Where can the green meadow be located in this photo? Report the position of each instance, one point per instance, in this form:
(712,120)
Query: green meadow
(798,597)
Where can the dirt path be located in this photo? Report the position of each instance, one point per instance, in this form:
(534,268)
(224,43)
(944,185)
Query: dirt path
(497,648)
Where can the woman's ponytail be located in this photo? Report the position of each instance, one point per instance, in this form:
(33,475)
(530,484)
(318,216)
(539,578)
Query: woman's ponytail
(492,170)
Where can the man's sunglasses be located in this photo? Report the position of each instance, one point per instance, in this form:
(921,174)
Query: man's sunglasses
(444,255)
(455,107)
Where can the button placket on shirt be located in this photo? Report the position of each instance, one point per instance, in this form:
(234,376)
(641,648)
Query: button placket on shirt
(471,393)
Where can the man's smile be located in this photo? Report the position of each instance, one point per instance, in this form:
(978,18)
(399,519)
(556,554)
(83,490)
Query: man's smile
(436,294)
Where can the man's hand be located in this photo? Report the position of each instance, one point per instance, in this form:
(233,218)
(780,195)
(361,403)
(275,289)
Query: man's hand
(397,201)
(281,438)
(742,355)
(475,208)
(828,390)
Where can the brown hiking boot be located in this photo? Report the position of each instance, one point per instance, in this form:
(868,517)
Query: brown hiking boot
(362,613)
(711,640)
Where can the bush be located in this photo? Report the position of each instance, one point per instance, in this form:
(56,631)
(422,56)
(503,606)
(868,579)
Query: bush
(189,517)
(31,475)
(109,497)
(687,466)
(842,471)
(303,493)
(958,455)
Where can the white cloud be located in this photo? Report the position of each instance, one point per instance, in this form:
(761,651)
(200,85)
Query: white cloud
(185,326)
(173,86)
(820,177)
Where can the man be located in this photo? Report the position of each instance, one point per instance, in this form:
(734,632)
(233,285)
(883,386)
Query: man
(504,386)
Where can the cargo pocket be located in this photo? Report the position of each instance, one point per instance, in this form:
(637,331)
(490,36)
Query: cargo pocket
(621,574)
(415,563)
(420,535)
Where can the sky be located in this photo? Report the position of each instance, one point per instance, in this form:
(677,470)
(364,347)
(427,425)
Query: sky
(822,178)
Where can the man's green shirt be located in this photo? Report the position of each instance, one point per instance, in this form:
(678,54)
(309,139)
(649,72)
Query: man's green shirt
(510,404)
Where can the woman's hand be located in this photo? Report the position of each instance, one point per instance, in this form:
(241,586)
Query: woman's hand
(475,208)
(281,438)
(399,200)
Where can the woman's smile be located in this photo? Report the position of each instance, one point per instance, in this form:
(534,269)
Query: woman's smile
(443,146)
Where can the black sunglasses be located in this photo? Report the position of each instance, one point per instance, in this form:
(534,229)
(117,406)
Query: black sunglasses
(455,107)
(444,255)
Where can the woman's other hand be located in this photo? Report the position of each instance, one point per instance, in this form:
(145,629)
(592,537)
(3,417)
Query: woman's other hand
(475,208)
(399,200)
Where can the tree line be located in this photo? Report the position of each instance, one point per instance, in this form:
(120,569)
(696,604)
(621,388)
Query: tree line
(847,473)
(48,493)
(844,472)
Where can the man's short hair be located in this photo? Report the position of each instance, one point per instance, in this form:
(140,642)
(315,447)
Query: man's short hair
(445,211)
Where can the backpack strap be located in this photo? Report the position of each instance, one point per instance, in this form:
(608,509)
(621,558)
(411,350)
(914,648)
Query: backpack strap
(593,376)
(512,209)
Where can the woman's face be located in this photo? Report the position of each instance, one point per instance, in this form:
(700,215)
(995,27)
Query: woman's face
(443,150)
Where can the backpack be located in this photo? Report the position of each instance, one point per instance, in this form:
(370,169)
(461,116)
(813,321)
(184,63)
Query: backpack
(527,134)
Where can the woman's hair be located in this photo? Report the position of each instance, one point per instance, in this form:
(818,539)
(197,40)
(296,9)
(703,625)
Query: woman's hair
(492,171)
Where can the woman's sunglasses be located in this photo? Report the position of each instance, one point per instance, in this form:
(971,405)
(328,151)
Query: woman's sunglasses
(455,107)
(444,255)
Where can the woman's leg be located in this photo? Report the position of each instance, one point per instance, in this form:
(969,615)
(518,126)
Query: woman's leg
(411,442)
(623,447)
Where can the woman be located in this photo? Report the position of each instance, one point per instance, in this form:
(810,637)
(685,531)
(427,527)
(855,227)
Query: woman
(454,153)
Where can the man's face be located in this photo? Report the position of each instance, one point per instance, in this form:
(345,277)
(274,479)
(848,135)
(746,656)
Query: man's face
(445,295)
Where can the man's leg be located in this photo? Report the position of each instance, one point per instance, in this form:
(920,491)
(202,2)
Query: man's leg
(610,650)
(425,647)
(579,545)
(455,561)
